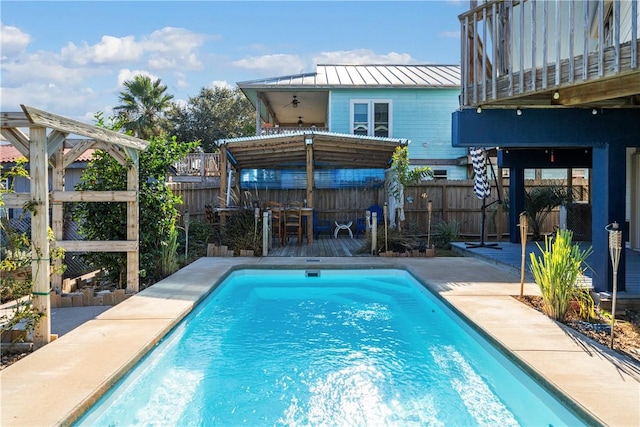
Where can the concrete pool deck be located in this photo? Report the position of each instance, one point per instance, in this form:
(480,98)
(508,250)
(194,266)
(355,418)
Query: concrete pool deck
(55,384)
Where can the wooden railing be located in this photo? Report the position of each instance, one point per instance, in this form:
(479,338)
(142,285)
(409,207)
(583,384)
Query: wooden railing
(516,48)
(285,129)
(198,164)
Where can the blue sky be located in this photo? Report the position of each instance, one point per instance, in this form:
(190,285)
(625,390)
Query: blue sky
(71,58)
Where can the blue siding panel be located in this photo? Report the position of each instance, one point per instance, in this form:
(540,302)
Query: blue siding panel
(422,115)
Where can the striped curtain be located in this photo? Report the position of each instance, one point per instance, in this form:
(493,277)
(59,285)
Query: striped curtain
(479,160)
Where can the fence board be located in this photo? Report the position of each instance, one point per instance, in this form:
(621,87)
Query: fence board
(451,200)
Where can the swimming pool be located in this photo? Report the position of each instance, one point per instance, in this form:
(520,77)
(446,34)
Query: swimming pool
(333,347)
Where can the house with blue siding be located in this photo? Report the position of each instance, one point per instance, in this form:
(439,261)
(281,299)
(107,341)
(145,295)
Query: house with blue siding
(412,103)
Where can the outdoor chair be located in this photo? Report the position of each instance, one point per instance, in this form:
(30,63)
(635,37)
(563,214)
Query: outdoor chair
(277,217)
(320,225)
(361,223)
(293,221)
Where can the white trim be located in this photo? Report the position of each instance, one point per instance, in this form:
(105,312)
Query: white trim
(329,119)
(370,114)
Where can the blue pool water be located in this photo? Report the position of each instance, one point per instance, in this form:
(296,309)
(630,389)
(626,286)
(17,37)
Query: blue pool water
(359,347)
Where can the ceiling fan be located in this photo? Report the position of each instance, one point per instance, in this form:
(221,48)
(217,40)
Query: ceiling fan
(294,102)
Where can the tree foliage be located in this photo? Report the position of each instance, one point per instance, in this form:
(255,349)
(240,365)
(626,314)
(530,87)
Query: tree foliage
(158,213)
(215,113)
(143,105)
(540,201)
(404,173)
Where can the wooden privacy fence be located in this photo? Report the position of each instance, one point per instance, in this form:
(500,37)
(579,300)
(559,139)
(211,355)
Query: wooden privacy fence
(452,200)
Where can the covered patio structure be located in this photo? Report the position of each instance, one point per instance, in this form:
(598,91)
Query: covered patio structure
(304,150)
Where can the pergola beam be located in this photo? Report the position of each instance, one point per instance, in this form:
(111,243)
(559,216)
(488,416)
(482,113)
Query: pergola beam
(39,148)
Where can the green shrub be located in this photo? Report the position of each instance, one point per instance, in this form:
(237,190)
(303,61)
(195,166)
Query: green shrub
(200,235)
(240,232)
(556,273)
(445,232)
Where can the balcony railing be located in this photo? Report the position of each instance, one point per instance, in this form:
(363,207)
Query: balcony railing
(198,165)
(283,129)
(515,49)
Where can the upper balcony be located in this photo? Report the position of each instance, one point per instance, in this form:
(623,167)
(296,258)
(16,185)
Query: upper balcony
(538,53)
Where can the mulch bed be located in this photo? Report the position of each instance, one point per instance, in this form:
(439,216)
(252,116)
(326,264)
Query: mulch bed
(626,337)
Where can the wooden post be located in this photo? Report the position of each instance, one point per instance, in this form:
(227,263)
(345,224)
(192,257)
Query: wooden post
(310,184)
(499,223)
(310,171)
(385,211)
(374,231)
(266,233)
(133,231)
(223,176)
(57,211)
(524,228)
(39,171)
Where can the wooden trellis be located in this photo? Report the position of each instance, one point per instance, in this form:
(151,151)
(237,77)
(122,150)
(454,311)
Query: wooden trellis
(44,146)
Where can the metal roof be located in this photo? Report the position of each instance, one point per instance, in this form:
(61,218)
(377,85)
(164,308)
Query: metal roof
(330,150)
(371,75)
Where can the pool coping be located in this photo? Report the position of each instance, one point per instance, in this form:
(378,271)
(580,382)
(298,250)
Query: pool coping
(57,383)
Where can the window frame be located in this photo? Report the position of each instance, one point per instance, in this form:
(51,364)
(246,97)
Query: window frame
(370,102)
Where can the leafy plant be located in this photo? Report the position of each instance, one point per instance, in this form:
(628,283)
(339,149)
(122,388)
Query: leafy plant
(215,113)
(240,232)
(538,204)
(201,233)
(158,213)
(540,201)
(169,257)
(556,273)
(445,232)
(143,105)
(404,173)
(16,283)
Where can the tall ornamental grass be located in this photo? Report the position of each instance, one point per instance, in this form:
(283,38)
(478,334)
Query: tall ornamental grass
(556,272)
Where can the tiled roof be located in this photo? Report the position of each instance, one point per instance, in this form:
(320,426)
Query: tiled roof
(331,75)
(9,154)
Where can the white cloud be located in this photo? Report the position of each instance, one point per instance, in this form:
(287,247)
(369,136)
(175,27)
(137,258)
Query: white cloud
(173,48)
(221,84)
(170,39)
(181,80)
(168,48)
(42,67)
(277,63)
(12,40)
(50,97)
(110,50)
(362,56)
(117,49)
(126,74)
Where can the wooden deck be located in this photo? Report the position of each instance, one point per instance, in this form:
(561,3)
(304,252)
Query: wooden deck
(325,246)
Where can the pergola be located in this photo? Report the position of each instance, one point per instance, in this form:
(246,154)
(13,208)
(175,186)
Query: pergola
(44,146)
(305,150)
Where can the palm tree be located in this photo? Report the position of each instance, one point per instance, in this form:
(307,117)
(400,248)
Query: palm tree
(143,104)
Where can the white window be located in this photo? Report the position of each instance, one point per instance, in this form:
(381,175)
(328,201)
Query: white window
(371,117)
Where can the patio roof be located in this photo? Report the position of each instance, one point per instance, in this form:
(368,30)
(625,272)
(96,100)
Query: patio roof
(312,89)
(330,151)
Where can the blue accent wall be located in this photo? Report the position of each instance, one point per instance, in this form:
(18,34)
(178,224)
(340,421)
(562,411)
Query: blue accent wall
(608,133)
(421,115)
